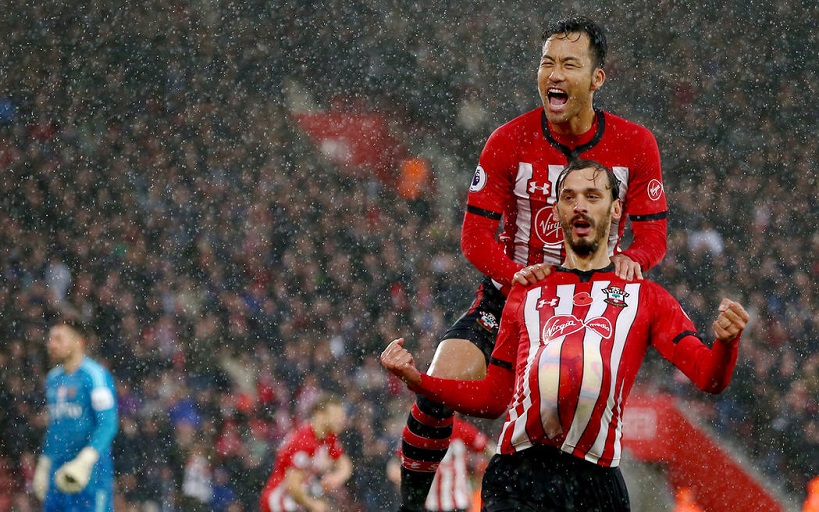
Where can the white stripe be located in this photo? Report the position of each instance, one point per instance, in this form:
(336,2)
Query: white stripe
(621,332)
(592,370)
(614,234)
(531,317)
(524,217)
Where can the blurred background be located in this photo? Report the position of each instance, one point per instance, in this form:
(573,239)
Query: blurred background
(247,200)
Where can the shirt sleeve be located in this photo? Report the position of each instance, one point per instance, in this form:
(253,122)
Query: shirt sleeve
(489,195)
(484,398)
(104,407)
(650,242)
(677,340)
(483,250)
(647,206)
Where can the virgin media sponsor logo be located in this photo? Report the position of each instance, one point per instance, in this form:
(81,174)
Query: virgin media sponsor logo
(564,325)
(546,227)
(601,325)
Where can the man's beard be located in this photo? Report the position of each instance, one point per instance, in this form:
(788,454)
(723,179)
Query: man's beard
(583,246)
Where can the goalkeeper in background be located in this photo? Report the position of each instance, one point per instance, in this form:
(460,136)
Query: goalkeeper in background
(75,470)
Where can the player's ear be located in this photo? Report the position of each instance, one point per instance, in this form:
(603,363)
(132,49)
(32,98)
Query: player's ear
(616,209)
(555,213)
(598,77)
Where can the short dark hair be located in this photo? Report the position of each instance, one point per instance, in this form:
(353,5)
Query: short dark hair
(74,323)
(598,44)
(579,163)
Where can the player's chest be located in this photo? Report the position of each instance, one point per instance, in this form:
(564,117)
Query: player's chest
(534,180)
(603,311)
(65,399)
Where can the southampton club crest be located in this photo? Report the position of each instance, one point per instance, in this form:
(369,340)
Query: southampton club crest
(488,321)
(615,296)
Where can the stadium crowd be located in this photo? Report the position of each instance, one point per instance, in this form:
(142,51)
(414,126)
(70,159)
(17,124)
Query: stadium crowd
(152,181)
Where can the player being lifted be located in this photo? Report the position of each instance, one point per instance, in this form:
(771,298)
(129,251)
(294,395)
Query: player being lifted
(515,182)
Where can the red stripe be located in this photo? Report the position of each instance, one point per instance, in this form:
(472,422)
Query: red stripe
(424,442)
(430,421)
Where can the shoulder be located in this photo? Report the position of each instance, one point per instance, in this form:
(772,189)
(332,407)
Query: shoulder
(54,373)
(620,125)
(97,373)
(653,293)
(523,125)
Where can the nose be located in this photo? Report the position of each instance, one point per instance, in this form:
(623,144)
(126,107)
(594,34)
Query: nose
(580,205)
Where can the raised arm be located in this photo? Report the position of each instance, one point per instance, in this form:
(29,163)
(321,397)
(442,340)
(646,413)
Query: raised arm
(486,398)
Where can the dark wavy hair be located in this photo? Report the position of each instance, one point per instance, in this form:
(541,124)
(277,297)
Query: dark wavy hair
(579,163)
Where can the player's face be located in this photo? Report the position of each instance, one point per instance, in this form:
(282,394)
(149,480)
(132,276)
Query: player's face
(63,343)
(567,77)
(336,418)
(585,210)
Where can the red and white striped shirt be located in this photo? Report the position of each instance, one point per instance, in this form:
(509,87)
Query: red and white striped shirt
(303,451)
(451,489)
(568,352)
(516,180)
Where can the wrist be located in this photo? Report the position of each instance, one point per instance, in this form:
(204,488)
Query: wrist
(88,456)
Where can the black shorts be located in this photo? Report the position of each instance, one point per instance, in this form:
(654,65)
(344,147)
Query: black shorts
(480,323)
(545,479)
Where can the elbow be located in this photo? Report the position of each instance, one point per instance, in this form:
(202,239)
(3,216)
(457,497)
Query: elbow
(715,387)
(468,249)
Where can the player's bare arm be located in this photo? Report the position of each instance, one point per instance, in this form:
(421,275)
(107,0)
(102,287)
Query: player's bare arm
(400,363)
(296,485)
(342,470)
(731,320)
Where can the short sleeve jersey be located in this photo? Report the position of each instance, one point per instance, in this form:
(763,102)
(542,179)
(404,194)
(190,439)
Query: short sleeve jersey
(301,450)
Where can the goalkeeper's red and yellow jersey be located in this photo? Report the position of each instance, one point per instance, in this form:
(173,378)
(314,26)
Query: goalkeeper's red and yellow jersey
(516,178)
(567,355)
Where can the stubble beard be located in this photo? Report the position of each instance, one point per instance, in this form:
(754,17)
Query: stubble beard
(583,246)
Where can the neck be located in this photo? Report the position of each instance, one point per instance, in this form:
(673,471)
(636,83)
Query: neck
(599,259)
(577,125)
(319,429)
(73,363)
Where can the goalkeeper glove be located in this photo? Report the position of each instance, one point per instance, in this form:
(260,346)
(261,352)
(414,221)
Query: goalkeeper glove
(74,475)
(41,476)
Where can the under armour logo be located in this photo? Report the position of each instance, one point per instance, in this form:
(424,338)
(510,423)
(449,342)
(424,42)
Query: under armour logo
(553,302)
(544,189)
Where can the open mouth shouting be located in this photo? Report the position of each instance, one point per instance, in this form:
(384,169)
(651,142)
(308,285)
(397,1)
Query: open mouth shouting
(557,98)
(582,225)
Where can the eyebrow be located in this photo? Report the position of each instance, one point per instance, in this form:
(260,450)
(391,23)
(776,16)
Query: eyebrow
(564,59)
(584,190)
